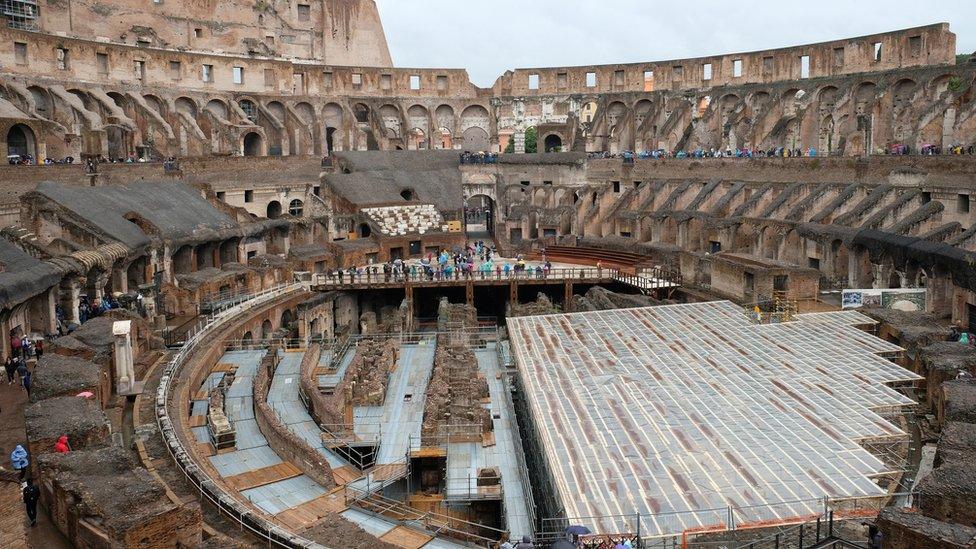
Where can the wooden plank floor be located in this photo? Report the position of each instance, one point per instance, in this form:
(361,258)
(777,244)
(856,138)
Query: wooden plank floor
(402,536)
(384,472)
(260,477)
(13,520)
(224,367)
(309,513)
(346,474)
(198,421)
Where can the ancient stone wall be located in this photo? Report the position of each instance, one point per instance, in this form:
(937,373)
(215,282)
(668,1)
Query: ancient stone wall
(282,440)
(455,407)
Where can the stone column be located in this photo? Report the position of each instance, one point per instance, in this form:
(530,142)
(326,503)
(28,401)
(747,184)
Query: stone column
(120,280)
(124,369)
(50,315)
(70,299)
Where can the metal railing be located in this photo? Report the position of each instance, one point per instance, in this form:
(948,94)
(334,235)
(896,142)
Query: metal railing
(661,526)
(207,488)
(435,523)
(418,276)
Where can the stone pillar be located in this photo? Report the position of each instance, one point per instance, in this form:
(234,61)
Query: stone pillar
(50,314)
(937,299)
(70,299)
(853,277)
(120,280)
(124,370)
(96,285)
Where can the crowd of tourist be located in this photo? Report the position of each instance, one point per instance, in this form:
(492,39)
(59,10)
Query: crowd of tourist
(477,260)
(468,157)
(781,152)
(29,160)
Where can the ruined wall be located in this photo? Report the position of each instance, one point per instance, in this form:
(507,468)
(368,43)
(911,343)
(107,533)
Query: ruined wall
(931,45)
(344,32)
(282,440)
(454,410)
(93,97)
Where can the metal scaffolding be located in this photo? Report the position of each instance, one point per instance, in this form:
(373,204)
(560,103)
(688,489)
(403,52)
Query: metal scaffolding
(20,14)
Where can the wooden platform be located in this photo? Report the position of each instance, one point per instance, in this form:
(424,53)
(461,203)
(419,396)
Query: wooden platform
(429,452)
(260,477)
(322,371)
(224,367)
(346,474)
(311,512)
(385,472)
(488,439)
(205,449)
(198,421)
(401,536)
(202,394)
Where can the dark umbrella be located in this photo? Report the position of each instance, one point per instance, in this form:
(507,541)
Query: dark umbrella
(577,530)
(562,544)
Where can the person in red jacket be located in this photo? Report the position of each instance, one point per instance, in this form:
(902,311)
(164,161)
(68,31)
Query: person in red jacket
(61,446)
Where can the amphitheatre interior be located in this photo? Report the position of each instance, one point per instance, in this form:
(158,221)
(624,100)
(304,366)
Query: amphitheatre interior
(280,292)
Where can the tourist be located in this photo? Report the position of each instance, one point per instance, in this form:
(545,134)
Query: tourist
(22,370)
(506,545)
(39,348)
(526,543)
(61,446)
(15,343)
(964,338)
(25,379)
(31,493)
(19,460)
(10,366)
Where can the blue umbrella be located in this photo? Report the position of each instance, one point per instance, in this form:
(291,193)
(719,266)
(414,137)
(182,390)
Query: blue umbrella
(577,530)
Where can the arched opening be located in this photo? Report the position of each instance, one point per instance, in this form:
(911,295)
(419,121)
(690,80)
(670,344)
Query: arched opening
(364,230)
(479,213)
(253,144)
(445,139)
(313,328)
(205,256)
(475,139)
(217,108)
(250,110)
(135,274)
(286,319)
(228,251)
(296,208)
(183,260)
(407,194)
(266,329)
(553,143)
(418,140)
(273,210)
(187,106)
(21,143)
(247,339)
(330,139)
(361,113)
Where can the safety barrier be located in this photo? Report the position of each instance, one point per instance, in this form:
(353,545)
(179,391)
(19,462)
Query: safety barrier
(208,489)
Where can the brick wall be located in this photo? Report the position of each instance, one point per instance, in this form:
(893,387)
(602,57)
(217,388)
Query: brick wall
(281,439)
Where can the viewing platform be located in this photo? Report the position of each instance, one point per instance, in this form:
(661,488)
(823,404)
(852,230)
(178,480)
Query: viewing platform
(647,281)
